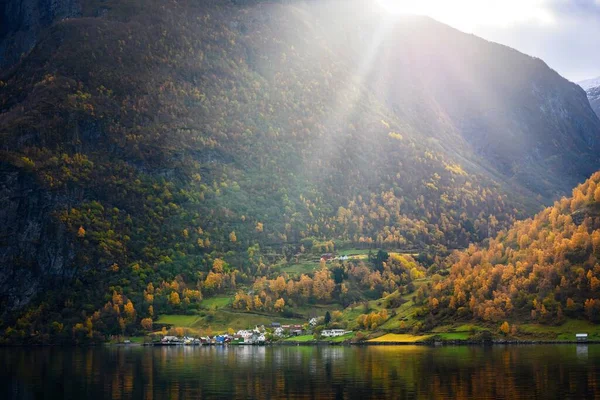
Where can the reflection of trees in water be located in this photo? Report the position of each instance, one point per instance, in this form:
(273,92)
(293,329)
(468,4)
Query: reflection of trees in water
(303,372)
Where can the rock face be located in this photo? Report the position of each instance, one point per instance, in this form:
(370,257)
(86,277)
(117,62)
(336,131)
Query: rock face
(22,21)
(593,95)
(34,248)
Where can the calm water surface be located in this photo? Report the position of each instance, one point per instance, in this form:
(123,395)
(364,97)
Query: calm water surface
(386,372)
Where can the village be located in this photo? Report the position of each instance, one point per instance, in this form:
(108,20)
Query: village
(259,335)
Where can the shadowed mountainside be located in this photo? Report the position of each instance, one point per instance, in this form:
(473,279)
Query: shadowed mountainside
(146,141)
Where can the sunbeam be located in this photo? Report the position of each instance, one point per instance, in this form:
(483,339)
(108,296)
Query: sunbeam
(467,14)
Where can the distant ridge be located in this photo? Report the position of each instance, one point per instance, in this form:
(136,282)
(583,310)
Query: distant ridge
(589,83)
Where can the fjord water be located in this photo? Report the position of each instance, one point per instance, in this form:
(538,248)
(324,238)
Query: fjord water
(386,372)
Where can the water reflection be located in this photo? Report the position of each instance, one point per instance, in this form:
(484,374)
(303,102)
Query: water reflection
(582,351)
(405,372)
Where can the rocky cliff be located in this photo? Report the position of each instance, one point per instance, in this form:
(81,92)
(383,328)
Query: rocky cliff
(22,23)
(35,249)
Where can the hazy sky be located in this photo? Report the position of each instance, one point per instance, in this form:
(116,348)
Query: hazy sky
(564,33)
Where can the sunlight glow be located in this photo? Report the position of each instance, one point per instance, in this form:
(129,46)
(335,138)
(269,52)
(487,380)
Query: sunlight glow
(468,14)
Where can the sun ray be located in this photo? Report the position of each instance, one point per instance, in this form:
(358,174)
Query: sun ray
(467,14)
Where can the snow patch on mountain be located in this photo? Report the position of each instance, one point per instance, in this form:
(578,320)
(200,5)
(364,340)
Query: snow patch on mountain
(589,83)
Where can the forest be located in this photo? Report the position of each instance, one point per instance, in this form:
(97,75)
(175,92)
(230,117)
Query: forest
(195,150)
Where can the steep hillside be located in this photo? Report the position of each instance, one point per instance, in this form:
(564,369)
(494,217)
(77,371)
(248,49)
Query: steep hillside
(593,95)
(543,269)
(23,21)
(189,146)
(592,89)
(480,100)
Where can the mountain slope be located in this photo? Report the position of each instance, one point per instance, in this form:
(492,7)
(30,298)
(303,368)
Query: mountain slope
(592,89)
(22,24)
(594,98)
(144,146)
(542,269)
(479,98)
(589,83)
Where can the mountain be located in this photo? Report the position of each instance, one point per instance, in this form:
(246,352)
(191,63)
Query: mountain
(23,21)
(541,270)
(594,98)
(479,98)
(592,89)
(589,83)
(163,151)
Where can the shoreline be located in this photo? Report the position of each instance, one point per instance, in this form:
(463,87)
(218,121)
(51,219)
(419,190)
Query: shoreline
(438,343)
(317,343)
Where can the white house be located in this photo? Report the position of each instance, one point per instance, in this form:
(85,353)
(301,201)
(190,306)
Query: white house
(581,337)
(244,334)
(334,332)
(255,338)
(170,339)
(313,321)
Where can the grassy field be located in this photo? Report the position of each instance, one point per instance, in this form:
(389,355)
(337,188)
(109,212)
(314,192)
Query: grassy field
(303,267)
(301,338)
(464,328)
(355,252)
(399,338)
(469,328)
(454,335)
(318,309)
(342,338)
(185,321)
(216,302)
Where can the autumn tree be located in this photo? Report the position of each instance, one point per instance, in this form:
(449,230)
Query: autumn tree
(323,285)
(279,304)
(505,328)
(129,311)
(174,299)
(146,324)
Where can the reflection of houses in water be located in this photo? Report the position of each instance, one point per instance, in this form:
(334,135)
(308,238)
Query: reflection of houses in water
(582,348)
(334,353)
(582,351)
(250,355)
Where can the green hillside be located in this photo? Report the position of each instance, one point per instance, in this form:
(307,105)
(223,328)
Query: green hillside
(157,155)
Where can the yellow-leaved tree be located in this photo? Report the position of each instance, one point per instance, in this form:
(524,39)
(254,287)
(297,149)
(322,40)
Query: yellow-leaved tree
(279,304)
(505,328)
(174,298)
(146,324)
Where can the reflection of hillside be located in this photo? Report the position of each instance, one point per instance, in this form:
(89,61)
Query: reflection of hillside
(303,372)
